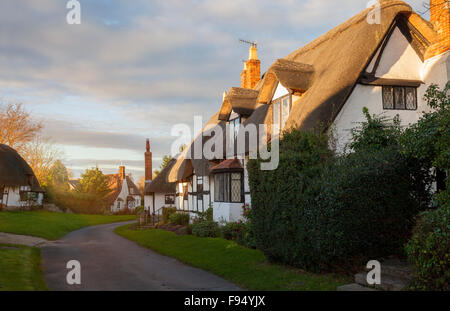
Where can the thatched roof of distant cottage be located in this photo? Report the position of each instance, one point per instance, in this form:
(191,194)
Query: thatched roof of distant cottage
(15,171)
(161,182)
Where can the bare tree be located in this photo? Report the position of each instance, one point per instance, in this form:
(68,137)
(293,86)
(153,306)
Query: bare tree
(17,127)
(41,154)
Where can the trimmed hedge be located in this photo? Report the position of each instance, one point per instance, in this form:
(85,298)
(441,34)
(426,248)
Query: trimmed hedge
(428,250)
(322,213)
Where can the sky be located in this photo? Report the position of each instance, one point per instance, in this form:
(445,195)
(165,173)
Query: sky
(133,69)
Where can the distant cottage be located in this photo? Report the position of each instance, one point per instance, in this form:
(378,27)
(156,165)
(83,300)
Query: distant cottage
(19,187)
(124,193)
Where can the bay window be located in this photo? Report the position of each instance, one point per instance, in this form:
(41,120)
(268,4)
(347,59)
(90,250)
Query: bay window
(228,187)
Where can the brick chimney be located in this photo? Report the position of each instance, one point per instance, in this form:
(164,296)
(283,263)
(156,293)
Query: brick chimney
(440,19)
(148,162)
(251,74)
(121,172)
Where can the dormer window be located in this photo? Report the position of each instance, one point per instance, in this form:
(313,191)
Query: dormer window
(281,110)
(399,98)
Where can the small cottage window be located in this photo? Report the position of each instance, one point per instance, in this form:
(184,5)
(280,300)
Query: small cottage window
(169,199)
(228,187)
(399,98)
(281,110)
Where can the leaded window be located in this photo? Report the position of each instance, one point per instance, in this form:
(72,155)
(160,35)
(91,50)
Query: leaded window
(399,98)
(228,187)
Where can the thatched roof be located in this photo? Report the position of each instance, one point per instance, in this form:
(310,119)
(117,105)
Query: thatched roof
(189,161)
(239,100)
(161,183)
(295,76)
(339,57)
(15,171)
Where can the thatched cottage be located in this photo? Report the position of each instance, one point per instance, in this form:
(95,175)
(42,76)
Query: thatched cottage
(385,66)
(19,187)
(124,193)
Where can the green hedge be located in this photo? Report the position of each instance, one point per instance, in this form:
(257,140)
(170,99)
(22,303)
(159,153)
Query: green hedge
(428,250)
(321,212)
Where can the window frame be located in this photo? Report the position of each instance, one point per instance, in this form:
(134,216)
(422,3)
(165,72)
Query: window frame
(166,202)
(404,90)
(221,190)
(279,101)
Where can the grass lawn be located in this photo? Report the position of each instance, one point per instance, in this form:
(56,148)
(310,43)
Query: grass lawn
(20,268)
(245,267)
(51,226)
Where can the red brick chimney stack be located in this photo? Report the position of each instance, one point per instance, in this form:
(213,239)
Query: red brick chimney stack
(148,162)
(251,74)
(440,19)
(121,172)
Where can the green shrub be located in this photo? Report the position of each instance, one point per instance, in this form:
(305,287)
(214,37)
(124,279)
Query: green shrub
(166,212)
(179,219)
(139,209)
(428,250)
(322,212)
(233,231)
(206,228)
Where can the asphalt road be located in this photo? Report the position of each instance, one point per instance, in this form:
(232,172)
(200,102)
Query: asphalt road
(111,262)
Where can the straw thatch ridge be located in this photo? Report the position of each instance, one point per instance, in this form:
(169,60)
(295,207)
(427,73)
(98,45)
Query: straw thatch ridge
(15,171)
(161,183)
(294,76)
(239,100)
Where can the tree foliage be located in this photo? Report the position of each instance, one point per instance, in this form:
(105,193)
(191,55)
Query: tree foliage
(94,182)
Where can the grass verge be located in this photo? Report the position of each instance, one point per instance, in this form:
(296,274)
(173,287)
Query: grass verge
(20,268)
(52,226)
(245,267)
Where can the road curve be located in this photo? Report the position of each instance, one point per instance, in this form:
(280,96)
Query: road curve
(111,262)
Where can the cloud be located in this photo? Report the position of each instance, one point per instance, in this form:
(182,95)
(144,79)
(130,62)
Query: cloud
(132,71)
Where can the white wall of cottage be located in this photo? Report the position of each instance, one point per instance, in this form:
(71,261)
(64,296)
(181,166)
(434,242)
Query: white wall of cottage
(11,199)
(398,61)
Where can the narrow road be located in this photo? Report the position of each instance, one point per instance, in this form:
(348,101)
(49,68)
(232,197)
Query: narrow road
(111,262)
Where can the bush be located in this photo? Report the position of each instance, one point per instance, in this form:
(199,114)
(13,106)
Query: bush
(206,228)
(139,209)
(233,231)
(179,219)
(428,250)
(323,212)
(166,212)
(79,203)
